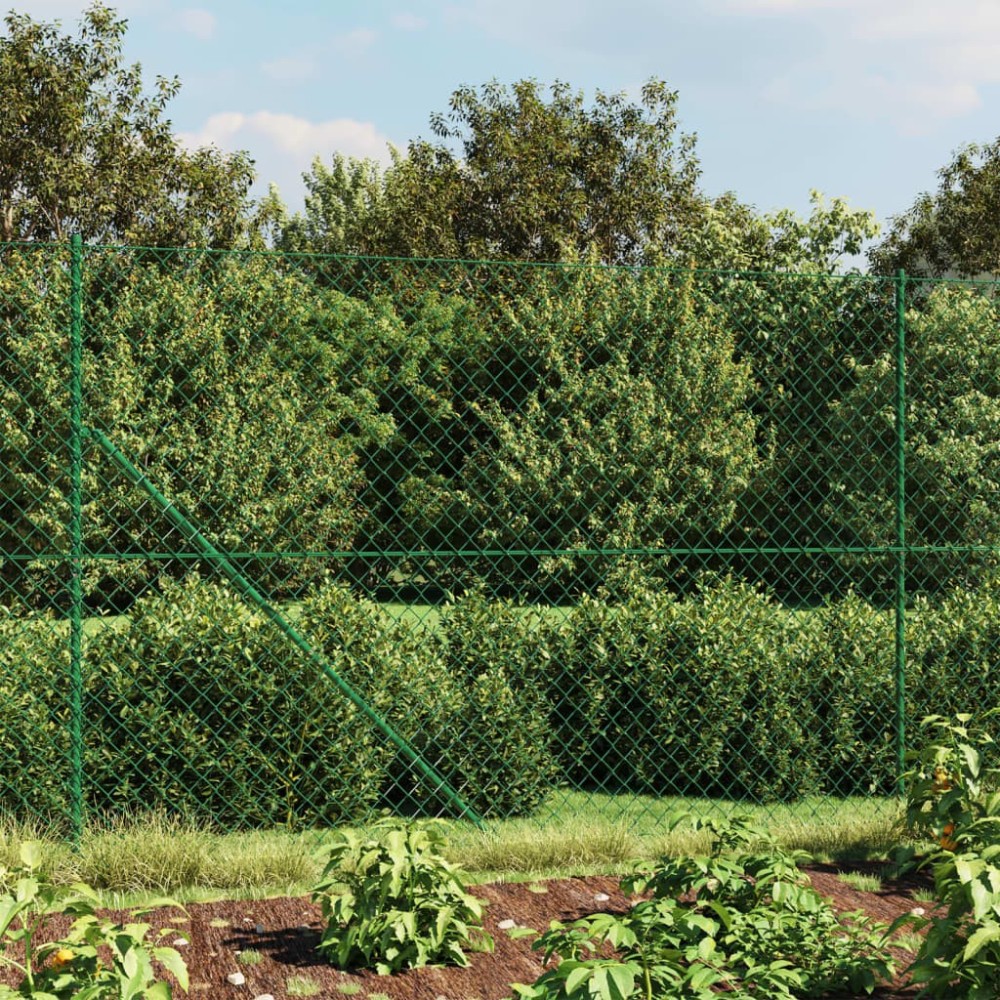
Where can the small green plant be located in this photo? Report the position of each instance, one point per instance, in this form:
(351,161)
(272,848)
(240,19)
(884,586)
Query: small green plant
(393,902)
(250,957)
(348,989)
(861,881)
(77,967)
(742,920)
(924,896)
(301,986)
(952,797)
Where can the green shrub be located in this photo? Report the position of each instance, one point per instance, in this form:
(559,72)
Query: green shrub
(849,674)
(96,958)
(397,669)
(742,921)
(393,902)
(34,716)
(200,706)
(464,695)
(954,647)
(952,797)
(696,697)
(241,390)
(496,742)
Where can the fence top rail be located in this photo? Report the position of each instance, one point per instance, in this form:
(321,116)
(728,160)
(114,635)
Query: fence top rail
(675,268)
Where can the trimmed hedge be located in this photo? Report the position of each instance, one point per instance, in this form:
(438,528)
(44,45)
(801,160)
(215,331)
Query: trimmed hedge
(662,700)
(34,717)
(201,706)
(463,695)
(196,703)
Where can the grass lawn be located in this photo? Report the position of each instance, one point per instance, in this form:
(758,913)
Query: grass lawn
(573,833)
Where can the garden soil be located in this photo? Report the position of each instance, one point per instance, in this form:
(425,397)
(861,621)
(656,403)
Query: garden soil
(272,942)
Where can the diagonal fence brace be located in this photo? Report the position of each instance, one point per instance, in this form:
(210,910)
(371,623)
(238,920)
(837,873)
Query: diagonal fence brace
(436,781)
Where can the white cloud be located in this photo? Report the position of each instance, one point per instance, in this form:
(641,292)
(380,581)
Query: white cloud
(406,21)
(290,134)
(913,63)
(198,22)
(928,19)
(284,145)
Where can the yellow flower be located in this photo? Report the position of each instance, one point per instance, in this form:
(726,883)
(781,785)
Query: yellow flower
(62,957)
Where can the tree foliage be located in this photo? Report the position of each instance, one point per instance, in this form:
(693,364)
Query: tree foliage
(84,148)
(513,173)
(953,231)
(952,427)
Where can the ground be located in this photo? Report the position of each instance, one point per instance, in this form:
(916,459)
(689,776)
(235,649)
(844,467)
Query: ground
(271,942)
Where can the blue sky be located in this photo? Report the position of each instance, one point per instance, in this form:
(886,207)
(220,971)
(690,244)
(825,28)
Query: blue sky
(863,99)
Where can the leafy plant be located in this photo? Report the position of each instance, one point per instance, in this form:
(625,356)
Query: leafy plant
(951,784)
(76,966)
(952,796)
(743,920)
(392,901)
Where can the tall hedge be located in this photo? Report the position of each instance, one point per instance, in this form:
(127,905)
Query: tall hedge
(230,383)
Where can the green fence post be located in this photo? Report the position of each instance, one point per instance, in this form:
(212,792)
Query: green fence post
(900,654)
(76,537)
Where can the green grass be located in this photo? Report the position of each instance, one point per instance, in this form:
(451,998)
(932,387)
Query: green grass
(908,941)
(250,957)
(861,882)
(136,859)
(302,986)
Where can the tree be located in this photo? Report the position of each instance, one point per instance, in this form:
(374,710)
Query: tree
(952,420)
(513,175)
(952,232)
(616,419)
(516,176)
(83,148)
(345,209)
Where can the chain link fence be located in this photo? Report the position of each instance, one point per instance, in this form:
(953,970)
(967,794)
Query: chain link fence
(289,539)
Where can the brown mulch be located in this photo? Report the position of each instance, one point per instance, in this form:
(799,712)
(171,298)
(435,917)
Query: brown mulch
(283,933)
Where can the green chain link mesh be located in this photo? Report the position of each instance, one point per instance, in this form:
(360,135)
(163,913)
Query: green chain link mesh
(462,538)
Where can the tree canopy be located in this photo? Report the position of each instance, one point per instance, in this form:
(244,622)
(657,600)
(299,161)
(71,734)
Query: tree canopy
(83,147)
(515,173)
(952,232)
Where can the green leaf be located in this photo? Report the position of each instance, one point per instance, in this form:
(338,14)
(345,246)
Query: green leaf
(981,937)
(172,961)
(31,853)
(613,982)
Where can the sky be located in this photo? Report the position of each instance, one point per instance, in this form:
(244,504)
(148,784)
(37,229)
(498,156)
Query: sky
(860,99)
